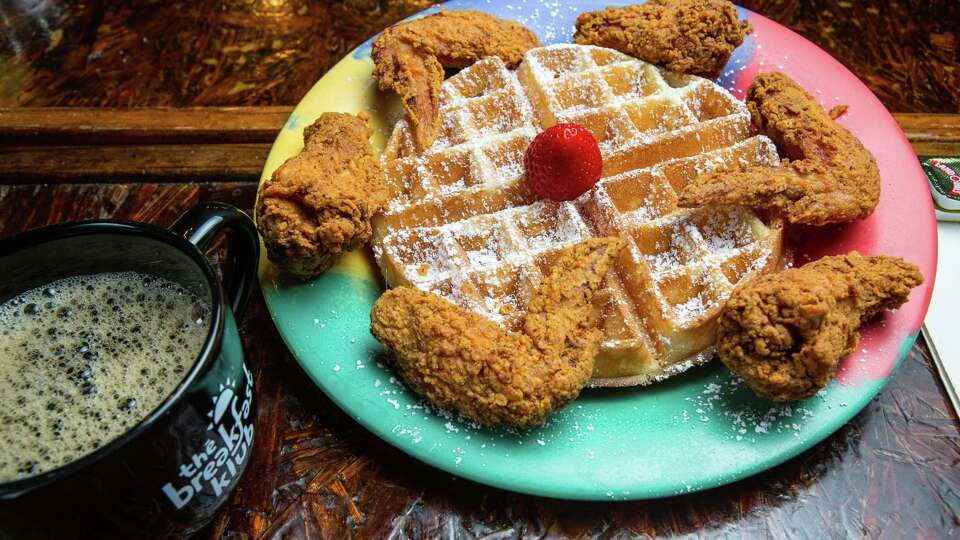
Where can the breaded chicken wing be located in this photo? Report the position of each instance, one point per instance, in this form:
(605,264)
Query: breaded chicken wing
(785,333)
(827,175)
(686,36)
(409,58)
(318,204)
(458,359)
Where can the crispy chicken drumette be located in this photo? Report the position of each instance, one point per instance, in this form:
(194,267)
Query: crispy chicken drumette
(785,333)
(318,204)
(686,36)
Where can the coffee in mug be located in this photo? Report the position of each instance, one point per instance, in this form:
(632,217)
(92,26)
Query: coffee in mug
(166,375)
(86,358)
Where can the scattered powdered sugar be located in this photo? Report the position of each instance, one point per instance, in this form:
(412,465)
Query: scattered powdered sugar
(690,311)
(722,400)
(414,433)
(747,418)
(570,425)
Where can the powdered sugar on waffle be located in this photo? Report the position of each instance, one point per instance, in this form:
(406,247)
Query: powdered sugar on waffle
(464,226)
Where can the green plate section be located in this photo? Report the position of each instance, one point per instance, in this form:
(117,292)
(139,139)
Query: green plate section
(695,431)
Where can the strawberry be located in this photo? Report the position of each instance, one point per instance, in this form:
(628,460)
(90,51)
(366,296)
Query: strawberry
(562,162)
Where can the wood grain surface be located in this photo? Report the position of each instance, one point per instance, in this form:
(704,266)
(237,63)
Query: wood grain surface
(226,144)
(889,473)
(144,125)
(168,162)
(931,134)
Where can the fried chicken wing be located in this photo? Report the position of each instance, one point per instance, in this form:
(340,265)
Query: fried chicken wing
(686,36)
(827,175)
(785,333)
(409,58)
(458,359)
(318,204)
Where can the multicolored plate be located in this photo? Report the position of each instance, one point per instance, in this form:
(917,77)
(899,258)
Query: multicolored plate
(696,431)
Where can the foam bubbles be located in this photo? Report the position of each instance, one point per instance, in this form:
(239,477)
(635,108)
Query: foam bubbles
(84,359)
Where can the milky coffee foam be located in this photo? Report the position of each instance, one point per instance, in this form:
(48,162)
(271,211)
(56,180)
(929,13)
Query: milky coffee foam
(84,359)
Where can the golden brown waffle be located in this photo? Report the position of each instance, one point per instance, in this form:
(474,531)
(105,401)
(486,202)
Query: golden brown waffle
(462,223)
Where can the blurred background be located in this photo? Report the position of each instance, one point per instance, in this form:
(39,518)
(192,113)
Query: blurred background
(269,52)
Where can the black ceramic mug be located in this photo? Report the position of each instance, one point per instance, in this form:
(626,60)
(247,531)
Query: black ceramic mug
(169,473)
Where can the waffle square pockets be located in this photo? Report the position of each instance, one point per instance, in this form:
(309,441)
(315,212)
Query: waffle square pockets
(462,223)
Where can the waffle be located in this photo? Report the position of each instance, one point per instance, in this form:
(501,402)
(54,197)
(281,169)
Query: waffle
(463,224)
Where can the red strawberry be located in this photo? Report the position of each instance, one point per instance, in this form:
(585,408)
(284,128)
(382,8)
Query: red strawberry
(562,162)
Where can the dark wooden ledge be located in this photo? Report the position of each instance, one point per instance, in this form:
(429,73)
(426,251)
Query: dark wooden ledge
(227,144)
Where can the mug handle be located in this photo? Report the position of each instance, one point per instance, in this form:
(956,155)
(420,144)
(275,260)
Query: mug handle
(200,225)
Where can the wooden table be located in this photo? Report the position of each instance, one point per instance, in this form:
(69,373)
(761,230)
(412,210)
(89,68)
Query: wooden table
(890,473)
